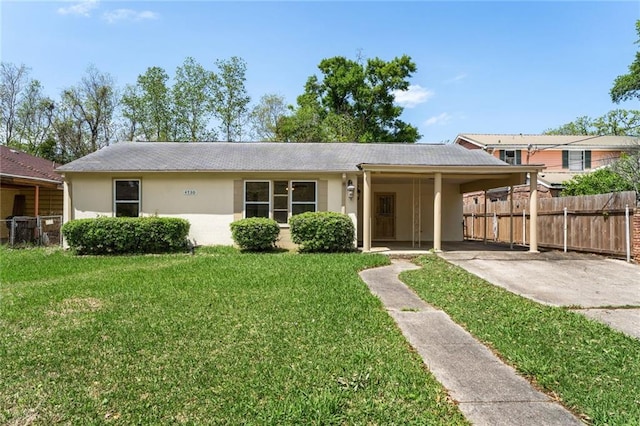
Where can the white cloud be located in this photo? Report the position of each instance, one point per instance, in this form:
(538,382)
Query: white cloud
(82,8)
(117,15)
(413,96)
(443,118)
(458,77)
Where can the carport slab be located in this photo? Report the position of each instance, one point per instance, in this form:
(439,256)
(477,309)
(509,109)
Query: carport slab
(625,320)
(556,279)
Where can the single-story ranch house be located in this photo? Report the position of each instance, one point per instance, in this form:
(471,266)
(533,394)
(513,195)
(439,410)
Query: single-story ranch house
(408,193)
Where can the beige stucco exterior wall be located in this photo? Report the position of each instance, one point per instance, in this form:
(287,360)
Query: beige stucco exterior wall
(206,200)
(451,208)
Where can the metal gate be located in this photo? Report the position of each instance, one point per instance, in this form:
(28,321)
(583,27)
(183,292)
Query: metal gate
(29,230)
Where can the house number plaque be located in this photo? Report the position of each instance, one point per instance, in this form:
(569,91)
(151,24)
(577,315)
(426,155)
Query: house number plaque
(190,192)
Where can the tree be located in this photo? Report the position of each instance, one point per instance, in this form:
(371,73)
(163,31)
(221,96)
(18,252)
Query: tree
(266,116)
(628,167)
(34,118)
(230,99)
(600,181)
(91,106)
(353,101)
(132,108)
(13,79)
(154,103)
(617,122)
(627,86)
(192,95)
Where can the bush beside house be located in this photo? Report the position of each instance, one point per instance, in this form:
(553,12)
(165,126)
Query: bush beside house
(322,232)
(124,235)
(255,233)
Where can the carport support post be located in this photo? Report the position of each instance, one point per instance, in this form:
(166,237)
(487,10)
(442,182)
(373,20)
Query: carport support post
(437,212)
(366,212)
(533,212)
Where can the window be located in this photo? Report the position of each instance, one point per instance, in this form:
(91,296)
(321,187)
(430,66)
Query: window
(257,199)
(126,198)
(576,160)
(279,199)
(512,157)
(303,197)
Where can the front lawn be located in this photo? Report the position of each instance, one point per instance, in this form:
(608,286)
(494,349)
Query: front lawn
(591,368)
(219,337)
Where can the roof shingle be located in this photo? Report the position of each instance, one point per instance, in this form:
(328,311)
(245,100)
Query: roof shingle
(264,156)
(20,164)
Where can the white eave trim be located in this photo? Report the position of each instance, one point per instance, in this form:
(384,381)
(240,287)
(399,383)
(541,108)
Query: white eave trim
(57,182)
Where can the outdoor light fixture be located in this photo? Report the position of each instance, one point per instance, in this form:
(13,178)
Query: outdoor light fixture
(350,189)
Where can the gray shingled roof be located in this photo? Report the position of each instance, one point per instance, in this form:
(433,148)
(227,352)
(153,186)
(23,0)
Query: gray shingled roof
(262,156)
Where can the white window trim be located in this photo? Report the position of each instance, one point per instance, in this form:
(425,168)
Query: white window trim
(244,197)
(138,201)
(290,202)
(315,196)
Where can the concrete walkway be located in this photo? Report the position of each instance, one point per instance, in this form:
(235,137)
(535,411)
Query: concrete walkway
(488,391)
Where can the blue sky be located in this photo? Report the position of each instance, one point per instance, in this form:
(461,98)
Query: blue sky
(483,67)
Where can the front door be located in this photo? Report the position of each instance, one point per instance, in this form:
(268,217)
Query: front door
(385,216)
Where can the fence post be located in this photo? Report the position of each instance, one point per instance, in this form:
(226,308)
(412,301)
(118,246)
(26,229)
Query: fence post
(473,223)
(565,229)
(636,234)
(627,229)
(524,227)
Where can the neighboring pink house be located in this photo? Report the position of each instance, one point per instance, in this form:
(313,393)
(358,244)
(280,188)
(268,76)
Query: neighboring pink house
(563,156)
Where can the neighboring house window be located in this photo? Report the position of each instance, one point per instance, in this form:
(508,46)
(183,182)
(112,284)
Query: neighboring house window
(576,160)
(126,198)
(279,199)
(511,156)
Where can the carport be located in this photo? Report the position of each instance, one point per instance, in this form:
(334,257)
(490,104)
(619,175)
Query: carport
(429,201)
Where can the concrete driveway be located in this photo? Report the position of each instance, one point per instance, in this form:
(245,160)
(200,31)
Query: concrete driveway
(607,290)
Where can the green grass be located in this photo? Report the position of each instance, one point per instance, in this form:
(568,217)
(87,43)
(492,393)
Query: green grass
(215,338)
(594,370)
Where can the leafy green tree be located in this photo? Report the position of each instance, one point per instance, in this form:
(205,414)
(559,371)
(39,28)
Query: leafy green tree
(230,98)
(155,104)
(628,167)
(353,101)
(627,86)
(600,181)
(34,118)
(266,116)
(617,122)
(192,94)
(133,111)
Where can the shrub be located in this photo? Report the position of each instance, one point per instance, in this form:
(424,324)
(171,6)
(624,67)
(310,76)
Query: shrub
(255,233)
(124,235)
(322,232)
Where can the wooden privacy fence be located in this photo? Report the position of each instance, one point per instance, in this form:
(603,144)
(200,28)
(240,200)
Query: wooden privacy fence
(594,223)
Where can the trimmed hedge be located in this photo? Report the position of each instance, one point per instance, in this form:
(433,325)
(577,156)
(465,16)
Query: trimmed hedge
(124,235)
(255,233)
(322,232)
